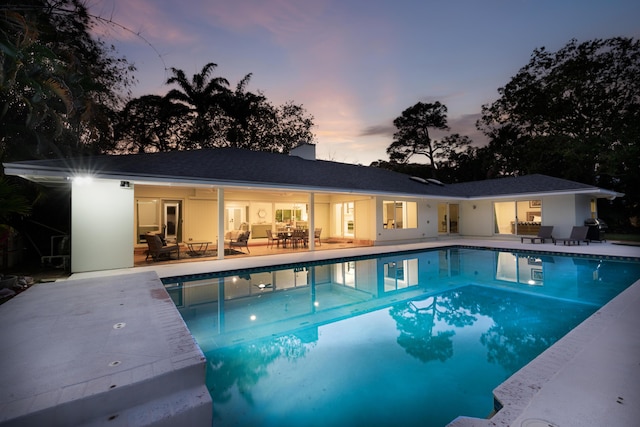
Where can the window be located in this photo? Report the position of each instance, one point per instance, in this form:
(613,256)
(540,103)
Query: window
(397,214)
(289,215)
(148,218)
(400,274)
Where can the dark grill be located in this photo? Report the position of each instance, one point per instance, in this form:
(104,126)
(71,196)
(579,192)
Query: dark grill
(597,228)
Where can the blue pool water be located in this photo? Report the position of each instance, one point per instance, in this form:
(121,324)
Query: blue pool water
(419,337)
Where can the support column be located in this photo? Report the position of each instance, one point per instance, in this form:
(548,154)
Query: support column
(220,243)
(312,222)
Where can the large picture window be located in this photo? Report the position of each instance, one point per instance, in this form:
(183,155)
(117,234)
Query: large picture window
(521,217)
(397,214)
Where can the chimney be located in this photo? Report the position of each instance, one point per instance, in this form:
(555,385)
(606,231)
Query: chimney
(304,150)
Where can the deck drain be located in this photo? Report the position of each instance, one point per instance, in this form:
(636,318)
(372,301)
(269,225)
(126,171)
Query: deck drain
(115,363)
(531,422)
(119,325)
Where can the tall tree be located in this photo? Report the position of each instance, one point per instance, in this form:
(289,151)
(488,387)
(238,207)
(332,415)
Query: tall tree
(221,117)
(153,123)
(574,113)
(205,95)
(58,85)
(412,136)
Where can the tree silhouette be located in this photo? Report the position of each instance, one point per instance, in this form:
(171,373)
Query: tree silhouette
(59,85)
(205,96)
(575,114)
(413,138)
(416,326)
(153,123)
(221,117)
(243,366)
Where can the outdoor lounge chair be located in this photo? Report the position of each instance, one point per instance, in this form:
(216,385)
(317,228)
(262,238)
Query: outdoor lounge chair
(578,234)
(242,241)
(157,250)
(544,233)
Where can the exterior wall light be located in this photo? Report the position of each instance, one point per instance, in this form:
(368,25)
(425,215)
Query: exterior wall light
(82,180)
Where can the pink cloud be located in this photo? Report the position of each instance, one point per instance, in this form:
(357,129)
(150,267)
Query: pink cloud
(285,20)
(138,21)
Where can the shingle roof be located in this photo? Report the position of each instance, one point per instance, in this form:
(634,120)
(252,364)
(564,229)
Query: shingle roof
(527,184)
(230,166)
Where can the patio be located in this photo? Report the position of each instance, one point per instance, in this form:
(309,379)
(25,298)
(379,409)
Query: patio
(259,248)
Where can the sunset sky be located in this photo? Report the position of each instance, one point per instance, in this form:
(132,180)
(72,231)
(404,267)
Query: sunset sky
(355,65)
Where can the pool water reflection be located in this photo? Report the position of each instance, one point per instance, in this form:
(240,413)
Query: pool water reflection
(412,338)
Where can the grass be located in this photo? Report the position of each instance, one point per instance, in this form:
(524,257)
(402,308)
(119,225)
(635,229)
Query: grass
(623,237)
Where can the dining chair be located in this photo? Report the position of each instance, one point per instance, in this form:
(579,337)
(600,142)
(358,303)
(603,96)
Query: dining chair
(271,238)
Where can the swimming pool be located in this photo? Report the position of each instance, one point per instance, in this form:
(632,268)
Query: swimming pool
(416,337)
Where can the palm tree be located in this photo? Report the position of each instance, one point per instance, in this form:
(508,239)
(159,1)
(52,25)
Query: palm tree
(204,95)
(12,202)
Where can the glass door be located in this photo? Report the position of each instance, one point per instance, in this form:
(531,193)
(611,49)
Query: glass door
(344,224)
(171,221)
(234,217)
(348,219)
(522,217)
(505,217)
(448,218)
(454,217)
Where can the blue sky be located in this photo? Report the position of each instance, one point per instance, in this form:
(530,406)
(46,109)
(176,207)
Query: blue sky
(355,65)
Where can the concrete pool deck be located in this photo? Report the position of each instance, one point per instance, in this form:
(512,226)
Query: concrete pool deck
(588,378)
(100,352)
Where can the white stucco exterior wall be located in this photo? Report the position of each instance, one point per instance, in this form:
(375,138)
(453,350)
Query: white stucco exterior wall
(101,226)
(557,211)
(476,218)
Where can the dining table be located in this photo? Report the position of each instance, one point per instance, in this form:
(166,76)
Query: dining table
(284,236)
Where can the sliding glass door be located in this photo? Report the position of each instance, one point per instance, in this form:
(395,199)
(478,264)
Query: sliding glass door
(518,217)
(448,218)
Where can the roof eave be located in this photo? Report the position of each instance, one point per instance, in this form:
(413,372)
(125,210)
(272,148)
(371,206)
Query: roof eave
(594,191)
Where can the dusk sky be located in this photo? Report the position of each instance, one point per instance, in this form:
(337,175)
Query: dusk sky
(355,65)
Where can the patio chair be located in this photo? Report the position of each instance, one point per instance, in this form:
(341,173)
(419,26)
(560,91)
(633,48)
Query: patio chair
(157,250)
(544,233)
(271,238)
(578,234)
(300,237)
(242,241)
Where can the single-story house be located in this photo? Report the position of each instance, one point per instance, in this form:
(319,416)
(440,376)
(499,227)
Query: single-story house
(201,195)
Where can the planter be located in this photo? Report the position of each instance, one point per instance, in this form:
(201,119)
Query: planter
(8,281)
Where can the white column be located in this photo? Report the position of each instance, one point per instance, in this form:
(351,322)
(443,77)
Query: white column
(312,222)
(220,244)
